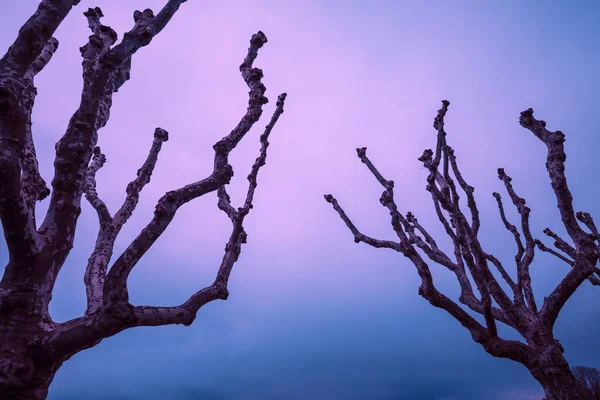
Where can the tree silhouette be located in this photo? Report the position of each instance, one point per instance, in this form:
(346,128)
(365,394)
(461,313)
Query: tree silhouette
(512,302)
(32,345)
(590,378)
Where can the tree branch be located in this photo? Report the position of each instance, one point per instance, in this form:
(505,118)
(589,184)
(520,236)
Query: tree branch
(595,280)
(431,249)
(560,244)
(402,226)
(33,185)
(105,69)
(588,221)
(555,165)
(582,269)
(116,314)
(468,189)
(34,35)
(186,312)
(359,237)
(467,249)
(114,317)
(543,247)
(585,255)
(143,177)
(110,226)
(89,187)
(20,182)
(116,284)
(525,255)
(447,196)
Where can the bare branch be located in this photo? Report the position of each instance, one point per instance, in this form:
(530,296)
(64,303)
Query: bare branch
(543,247)
(581,270)
(467,250)
(224,202)
(89,187)
(262,158)
(143,177)
(43,59)
(186,312)
(21,185)
(116,283)
(110,227)
(555,165)
(586,255)
(95,271)
(16,209)
(447,196)
(595,280)
(405,232)
(510,227)
(183,314)
(560,244)
(402,227)
(238,235)
(33,185)
(443,220)
(34,35)
(475,222)
(433,252)
(588,221)
(359,237)
(494,345)
(399,223)
(428,238)
(105,69)
(502,272)
(525,256)
(430,249)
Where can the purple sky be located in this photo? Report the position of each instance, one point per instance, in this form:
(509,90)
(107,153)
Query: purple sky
(311,314)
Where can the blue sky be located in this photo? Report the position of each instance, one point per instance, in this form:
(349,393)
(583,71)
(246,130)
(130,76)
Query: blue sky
(311,314)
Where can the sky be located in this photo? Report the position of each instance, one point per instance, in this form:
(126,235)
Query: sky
(311,314)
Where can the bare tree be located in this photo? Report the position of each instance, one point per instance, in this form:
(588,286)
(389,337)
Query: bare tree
(590,378)
(506,300)
(32,345)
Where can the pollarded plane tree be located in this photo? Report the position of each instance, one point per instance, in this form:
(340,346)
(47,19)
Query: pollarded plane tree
(512,302)
(32,345)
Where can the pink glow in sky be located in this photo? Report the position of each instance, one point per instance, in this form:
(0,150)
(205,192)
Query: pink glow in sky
(311,314)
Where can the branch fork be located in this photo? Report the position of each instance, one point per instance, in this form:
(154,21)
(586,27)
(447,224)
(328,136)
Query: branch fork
(521,311)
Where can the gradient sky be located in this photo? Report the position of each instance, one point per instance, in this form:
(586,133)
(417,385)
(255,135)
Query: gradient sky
(311,314)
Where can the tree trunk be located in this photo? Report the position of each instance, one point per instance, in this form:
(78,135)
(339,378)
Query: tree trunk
(553,372)
(24,378)
(27,365)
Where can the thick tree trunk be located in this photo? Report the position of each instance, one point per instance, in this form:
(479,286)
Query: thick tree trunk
(553,372)
(27,365)
(26,370)
(22,377)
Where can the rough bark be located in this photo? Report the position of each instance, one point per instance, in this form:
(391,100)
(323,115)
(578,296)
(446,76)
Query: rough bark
(25,370)
(552,370)
(472,265)
(32,345)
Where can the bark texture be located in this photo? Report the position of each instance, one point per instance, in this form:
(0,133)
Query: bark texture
(32,345)
(496,295)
